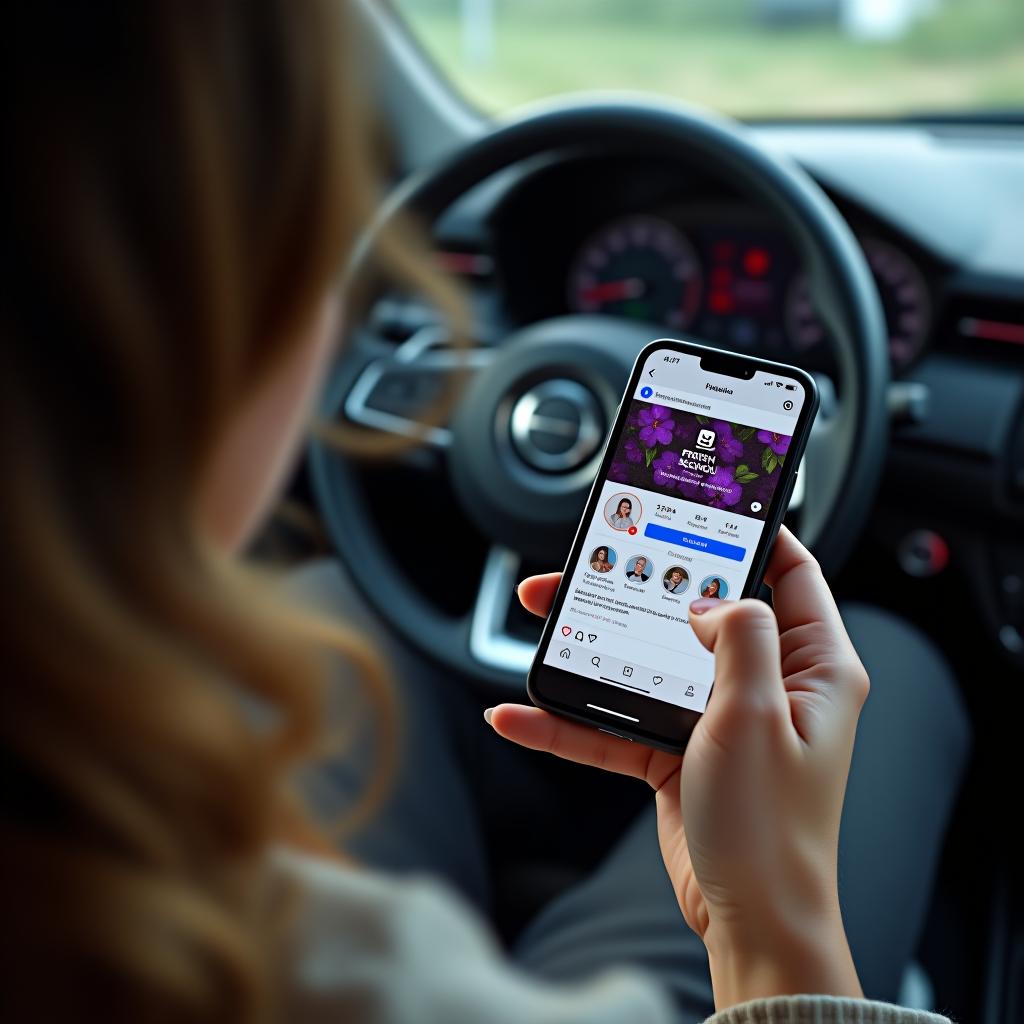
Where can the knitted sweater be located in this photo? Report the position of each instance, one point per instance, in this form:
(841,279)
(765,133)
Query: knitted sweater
(374,950)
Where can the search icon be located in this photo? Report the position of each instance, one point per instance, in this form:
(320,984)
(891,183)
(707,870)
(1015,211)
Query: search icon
(595,661)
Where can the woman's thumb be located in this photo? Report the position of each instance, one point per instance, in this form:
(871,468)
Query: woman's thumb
(744,638)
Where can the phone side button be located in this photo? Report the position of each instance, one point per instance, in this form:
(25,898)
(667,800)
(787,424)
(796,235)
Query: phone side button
(789,492)
(618,735)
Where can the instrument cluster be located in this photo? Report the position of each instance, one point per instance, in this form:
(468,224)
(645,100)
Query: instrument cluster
(730,279)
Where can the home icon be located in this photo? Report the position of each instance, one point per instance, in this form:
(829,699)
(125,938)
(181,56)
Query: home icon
(564,653)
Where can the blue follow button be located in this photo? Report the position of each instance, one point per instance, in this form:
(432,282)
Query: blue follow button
(697,543)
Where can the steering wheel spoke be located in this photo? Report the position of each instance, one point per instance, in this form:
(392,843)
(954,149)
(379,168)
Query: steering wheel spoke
(399,392)
(490,641)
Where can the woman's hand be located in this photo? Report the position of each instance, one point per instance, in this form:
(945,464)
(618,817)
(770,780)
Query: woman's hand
(749,820)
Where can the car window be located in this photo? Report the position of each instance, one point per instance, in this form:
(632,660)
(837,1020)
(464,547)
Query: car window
(766,58)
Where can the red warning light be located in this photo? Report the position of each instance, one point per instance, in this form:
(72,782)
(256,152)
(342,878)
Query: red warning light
(756,261)
(721,302)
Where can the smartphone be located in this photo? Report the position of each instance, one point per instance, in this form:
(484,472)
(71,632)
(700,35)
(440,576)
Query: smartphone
(698,472)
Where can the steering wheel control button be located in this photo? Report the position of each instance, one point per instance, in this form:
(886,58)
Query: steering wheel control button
(401,388)
(923,553)
(556,426)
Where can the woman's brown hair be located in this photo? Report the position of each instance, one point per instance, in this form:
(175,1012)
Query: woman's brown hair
(181,184)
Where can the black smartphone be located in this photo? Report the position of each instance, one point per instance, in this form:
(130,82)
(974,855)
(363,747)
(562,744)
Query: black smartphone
(699,469)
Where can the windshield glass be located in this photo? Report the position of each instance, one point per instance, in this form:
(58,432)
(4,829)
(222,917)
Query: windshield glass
(749,58)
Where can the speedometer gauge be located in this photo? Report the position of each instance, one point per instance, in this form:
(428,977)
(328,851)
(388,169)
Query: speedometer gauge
(638,267)
(905,298)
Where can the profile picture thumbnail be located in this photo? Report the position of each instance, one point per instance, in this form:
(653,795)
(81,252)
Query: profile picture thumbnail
(675,580)
(639,569)
(714,586)
(621,511)
(603,559)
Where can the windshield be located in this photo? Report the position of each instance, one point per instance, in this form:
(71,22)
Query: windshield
(749,58)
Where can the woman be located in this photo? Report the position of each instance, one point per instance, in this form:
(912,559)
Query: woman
(599,562)
(712,589)
(623,517)
(181,190)
(676,580)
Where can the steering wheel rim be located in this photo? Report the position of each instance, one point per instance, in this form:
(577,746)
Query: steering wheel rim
(845,459)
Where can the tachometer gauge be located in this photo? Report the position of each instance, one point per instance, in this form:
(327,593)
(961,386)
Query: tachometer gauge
(905,299)
(905,302)
(638,267)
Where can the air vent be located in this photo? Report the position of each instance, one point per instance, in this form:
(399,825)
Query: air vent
(980,324)
(465,261)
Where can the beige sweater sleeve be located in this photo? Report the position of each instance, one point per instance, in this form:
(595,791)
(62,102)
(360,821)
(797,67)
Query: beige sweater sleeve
(822,1010)
(368,949)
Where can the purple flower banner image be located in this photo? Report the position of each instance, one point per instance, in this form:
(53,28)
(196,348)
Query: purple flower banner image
(712,462)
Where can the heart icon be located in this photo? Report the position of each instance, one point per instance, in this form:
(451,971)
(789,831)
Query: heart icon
(566,630)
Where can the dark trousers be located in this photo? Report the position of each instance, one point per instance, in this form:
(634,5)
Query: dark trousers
(504,826)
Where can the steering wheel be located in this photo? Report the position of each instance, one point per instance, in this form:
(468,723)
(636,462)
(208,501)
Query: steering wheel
(526,436)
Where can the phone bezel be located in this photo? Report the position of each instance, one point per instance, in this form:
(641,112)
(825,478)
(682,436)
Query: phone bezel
(661,724)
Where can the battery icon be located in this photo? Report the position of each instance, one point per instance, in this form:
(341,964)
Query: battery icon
(791,387)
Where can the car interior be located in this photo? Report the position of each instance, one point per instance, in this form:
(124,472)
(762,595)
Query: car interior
(884,254)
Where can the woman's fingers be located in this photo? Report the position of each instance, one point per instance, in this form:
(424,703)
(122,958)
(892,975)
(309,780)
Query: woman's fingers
(539,730)
(800,594)
(744,637)
(537,592)
(817,651)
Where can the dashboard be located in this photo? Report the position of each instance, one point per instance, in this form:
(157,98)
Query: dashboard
(939,213)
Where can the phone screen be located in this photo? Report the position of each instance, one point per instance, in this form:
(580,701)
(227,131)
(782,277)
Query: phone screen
(696,460)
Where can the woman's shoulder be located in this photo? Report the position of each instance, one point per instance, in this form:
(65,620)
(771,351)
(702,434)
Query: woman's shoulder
(373,948)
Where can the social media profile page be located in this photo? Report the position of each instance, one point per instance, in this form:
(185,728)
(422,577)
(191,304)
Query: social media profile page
(695,466)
